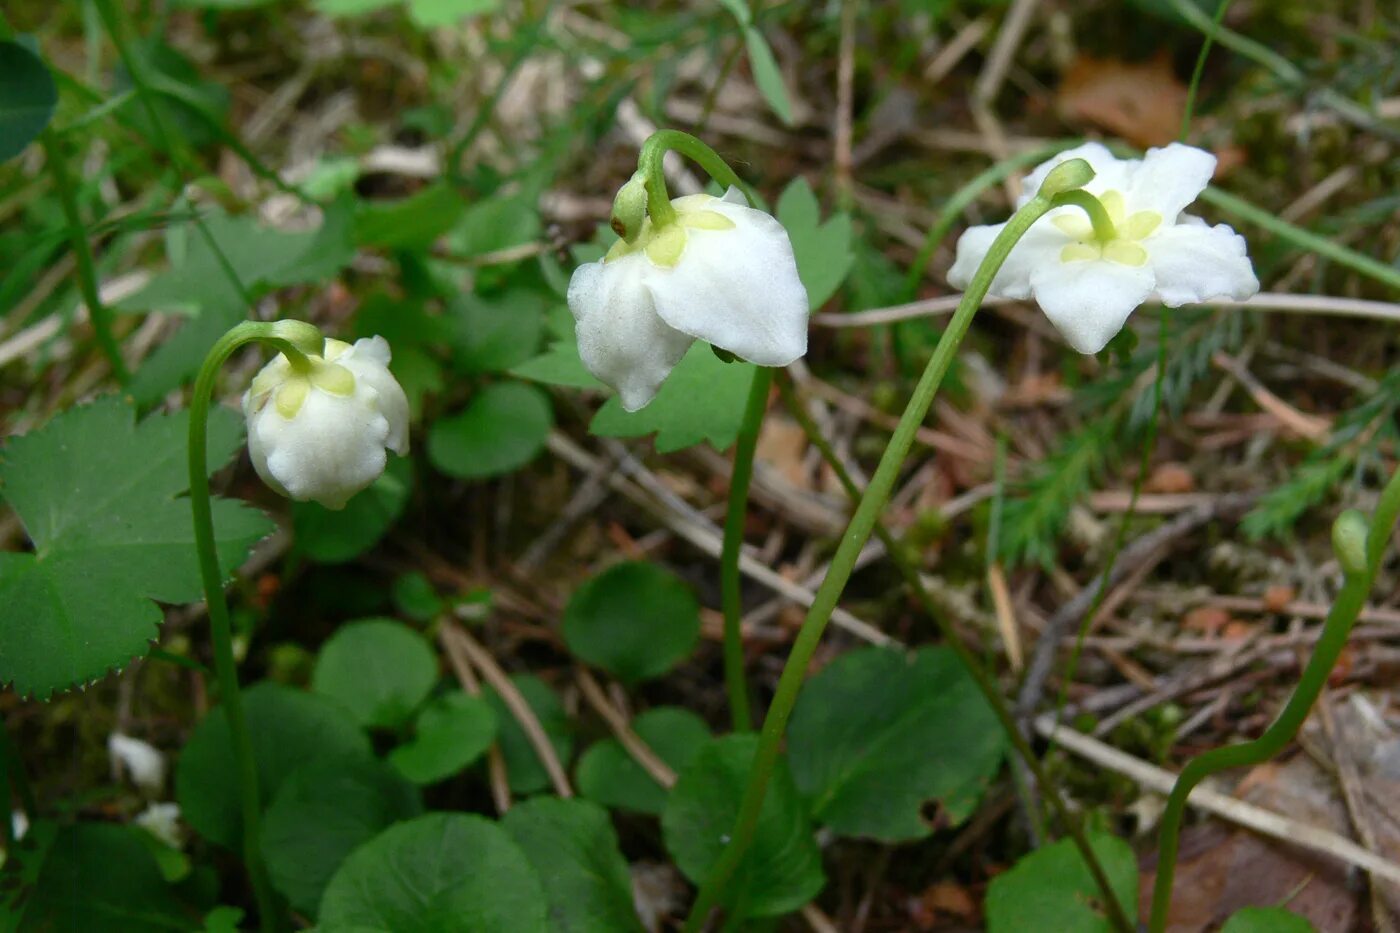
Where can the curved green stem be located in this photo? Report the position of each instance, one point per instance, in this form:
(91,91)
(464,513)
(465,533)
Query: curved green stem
(909,569)
(649,163)
(225,667)
(734,520)
(1359,551)
(1104,231)
(843,562)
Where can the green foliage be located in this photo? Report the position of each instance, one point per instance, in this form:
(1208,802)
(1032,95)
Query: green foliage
(822,248)
(608,775)
(27,98)
(782,869)
(378,669)
(526,772)
(413,223)
(765,69)
(288,727)
(1051,890)
(491,335)
(323,811)
(881,732)
(574,851)
(333,537)
(634,620)
(439,873)
(99,495)
(1033,516)
(503,428)
(1266,920)
(449,734)
(426,14)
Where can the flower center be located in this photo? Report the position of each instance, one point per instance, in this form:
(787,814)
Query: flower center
(664,245)
(289,389)
(1124,248)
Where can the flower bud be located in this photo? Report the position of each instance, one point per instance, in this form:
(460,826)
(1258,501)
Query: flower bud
(1068,175)
(1349,533)
(318,429)
(630,208)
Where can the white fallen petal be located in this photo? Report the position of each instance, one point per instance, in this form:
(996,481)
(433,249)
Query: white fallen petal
(143,762)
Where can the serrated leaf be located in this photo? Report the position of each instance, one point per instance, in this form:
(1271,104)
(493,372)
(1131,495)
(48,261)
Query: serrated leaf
(574,851)
(702,400)
(767,75)
(99,495)
(608,775)
(880,732)
(503,428)
(633,620)
(333,537)
(527,773)
(1267,920)
(1051,890)
(449,734)
(822,248)
(27,98)
(782,869)
(439,873)
(378,669)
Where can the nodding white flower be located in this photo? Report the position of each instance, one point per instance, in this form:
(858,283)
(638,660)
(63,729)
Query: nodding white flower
(723,273)
(319,432)
(162,820)
(144,763)
(19,826)
(1088,286)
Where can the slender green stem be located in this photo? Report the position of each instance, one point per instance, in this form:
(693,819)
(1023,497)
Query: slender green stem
(1189,110)
(986,685)
(224,665)
(1359,551)
(734,520)
(843,563)
(98,312)
(649,163)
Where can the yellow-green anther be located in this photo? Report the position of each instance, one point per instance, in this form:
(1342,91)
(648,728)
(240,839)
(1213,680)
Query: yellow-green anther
(630,208)
(1125,252)
(333,378)
(291,396)
(666,246)
(706,220)
(1141,224)
(1068,175)
(1349,534)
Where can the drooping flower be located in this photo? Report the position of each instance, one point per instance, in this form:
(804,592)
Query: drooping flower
(1088,285)
(320,432)
(144,763)
(722,272)
(162,820)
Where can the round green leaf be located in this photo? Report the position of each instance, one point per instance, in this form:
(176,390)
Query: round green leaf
(608,775)
(288,727)
(1051,890)
(490,335)
(378,668)
(782,869)
(440,873)
(27,98)
(1266,920)
(880,732)
(333,537)
(633,620)
(450,734)
(527,774)
(574,850)
(321,813)
(502,429)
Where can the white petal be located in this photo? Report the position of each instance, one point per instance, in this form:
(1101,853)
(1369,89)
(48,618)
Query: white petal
(1110,172)
(1039,245)
(162,820)
(331,449)
(1168,179)
(621,339)
(1088,301)
(368,361)
(738,289)
(144,763)
(1193,262)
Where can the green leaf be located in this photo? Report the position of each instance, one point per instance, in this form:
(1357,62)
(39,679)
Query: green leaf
(782,869)
(440,873)
(451,733)
(288,727)
(351,7)
(497,223)
(574,850)
(429,13)
(881,732)
(99,495)
(223,4)
(559,365)
(1267,920)
(740,11)
(491,335)
(122,889)
(322,812)
(333,537)
(823,249)
(378,669)
(503,428)
(1051,890)
(527,774)
(413,223)
(608,775)
(27,98)
(767,76)
(634,620)
(702,400)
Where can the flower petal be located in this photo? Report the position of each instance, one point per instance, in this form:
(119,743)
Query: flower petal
(1089,301)
(1168,179)
(737,289)
(368,360)
(621,339)
(1193,262)
(1109,172)
(1041,244)
(332,449)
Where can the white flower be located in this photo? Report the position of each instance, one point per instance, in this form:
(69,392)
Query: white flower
(162,820)
(723,273)
(320,434)
(19,826)
(144,763)
(1088,287)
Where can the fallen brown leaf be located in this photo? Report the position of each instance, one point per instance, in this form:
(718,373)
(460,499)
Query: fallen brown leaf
(1142,102)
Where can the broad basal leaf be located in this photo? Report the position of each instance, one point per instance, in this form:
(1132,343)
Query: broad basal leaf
(333,537)
(527,773)
(27,98)
(378,669)
(1051,890)
(608,775)
(503,428)
(633,620)
(99,496)
(823,249)
(449,734)
(881,732)
(1267,920)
